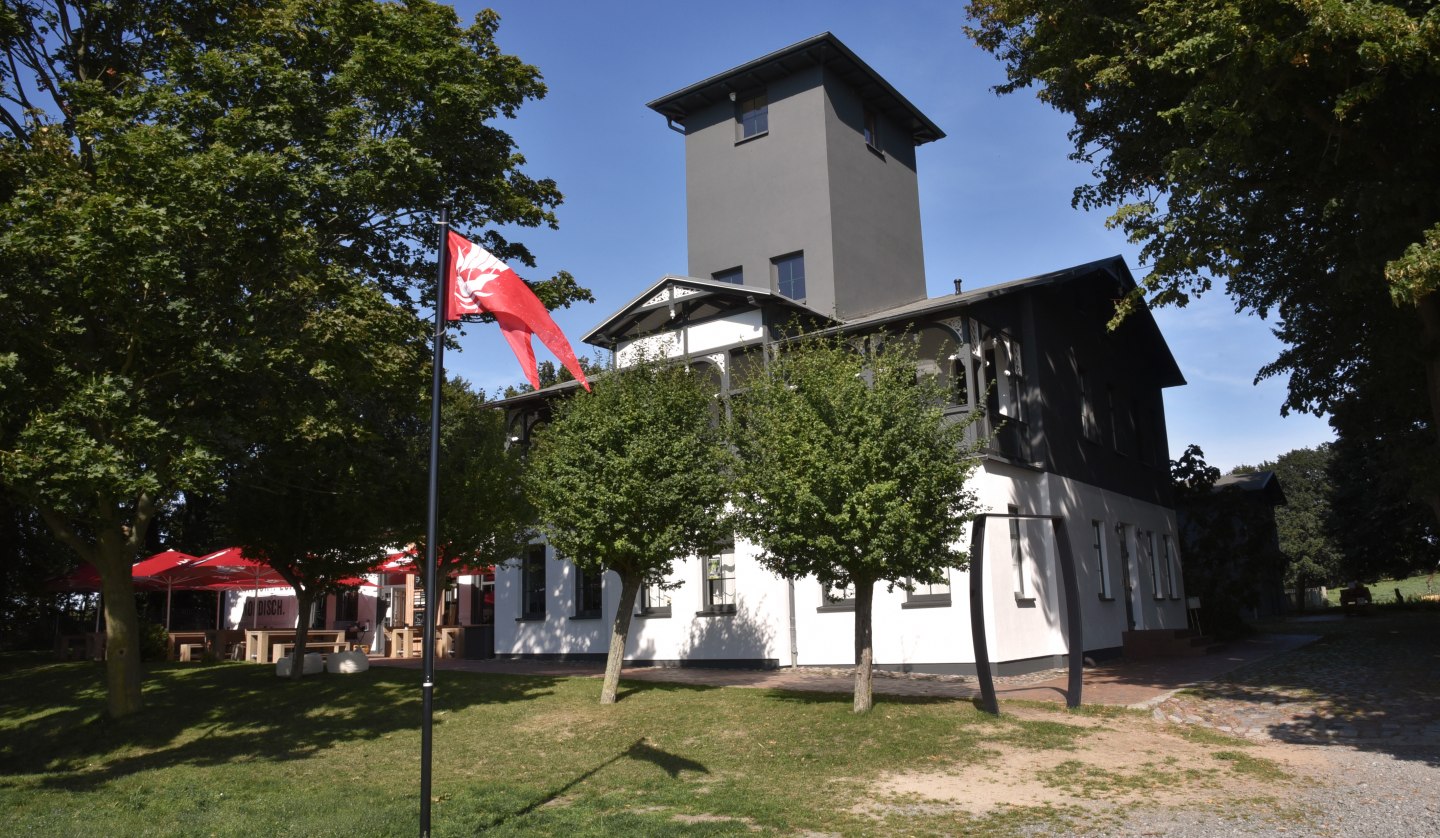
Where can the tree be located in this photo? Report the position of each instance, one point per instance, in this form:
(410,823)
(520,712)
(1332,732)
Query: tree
(182,185)
(319,490)
(848,472)
(1305,521)
(631,478)
(485,516)
(1278,146)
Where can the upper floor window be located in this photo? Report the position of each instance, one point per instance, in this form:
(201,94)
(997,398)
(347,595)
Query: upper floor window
(754,115)
(734,276)
(872,130)
(1089,425)
(790,275)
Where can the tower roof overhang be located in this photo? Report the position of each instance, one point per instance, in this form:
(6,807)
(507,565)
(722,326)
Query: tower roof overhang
(821,50)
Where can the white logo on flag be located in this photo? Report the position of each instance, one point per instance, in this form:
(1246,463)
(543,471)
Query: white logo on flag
(476,269)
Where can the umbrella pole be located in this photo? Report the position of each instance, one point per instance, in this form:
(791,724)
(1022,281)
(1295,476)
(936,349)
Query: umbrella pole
(169,586)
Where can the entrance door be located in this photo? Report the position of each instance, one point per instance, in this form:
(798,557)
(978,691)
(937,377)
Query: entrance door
(480,634)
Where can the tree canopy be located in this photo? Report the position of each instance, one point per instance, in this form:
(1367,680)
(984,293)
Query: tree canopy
(847,471)
(185,188)
(1280,147)
(631,478)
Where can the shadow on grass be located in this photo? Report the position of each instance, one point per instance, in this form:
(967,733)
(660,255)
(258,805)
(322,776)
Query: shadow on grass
(210,715)
(847,698)
(672,764)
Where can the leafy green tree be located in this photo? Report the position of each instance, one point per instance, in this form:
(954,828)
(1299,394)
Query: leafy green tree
(847,471)
(631,478)
(1305,521)
(1280,147)
(182,184)
(319,491)
(485,516)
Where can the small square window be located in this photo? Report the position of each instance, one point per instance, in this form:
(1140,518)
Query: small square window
(790,276)
(654,601)
(753,113)
(834,596)
(734,276)
(928,593)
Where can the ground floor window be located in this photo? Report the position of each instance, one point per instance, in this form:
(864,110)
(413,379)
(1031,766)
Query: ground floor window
(720,579)
(532,584)
(588,586)
(928,593)
(654,601)
(1172,572)
(837,596)
(1097,546)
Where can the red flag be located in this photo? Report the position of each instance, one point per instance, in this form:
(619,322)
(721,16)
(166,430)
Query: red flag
(480,283)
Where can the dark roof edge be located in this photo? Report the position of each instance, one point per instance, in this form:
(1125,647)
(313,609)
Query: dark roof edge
(933,131)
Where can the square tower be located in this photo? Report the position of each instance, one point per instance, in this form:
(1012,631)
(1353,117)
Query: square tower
(800,178)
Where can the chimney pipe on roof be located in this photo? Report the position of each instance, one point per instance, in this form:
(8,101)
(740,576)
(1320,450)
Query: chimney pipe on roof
(957,285)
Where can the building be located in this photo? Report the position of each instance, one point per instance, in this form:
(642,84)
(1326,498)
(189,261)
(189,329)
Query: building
(803,208)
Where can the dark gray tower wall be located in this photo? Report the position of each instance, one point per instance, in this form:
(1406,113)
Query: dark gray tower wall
(874,209)
(812,185)
(750,201)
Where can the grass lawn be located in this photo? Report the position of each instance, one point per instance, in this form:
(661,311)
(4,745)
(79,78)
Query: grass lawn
(1383,591)
(228,749)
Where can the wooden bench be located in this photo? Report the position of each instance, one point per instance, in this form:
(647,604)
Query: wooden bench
(188,650)
(280,650)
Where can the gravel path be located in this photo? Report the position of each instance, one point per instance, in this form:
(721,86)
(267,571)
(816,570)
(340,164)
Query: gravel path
(1357,718)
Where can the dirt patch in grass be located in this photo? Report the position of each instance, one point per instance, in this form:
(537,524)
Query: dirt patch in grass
(1113,765)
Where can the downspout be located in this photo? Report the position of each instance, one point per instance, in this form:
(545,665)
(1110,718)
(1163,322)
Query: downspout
(794,644)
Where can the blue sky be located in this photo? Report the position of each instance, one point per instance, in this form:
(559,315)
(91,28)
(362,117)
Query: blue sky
(994,194)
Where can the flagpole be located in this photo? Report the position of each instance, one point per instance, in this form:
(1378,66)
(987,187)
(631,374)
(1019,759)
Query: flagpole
(432,527)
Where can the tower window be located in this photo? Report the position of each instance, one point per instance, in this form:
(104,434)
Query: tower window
(734,276)
(790,275)
(872,130)
(754,116)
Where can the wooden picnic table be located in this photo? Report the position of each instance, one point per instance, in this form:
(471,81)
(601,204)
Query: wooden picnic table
(179,640)
(259,643)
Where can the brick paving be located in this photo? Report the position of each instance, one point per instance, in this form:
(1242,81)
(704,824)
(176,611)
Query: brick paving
(1119,683)
(1347,708)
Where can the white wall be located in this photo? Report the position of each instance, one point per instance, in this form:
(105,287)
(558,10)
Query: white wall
(932,637)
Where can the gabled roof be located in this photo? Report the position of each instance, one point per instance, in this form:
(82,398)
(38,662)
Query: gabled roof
(823,49)
(1263,483)
(1113,267)
(686,298)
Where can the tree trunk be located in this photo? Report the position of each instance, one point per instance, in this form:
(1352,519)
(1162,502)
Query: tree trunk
(629,589)
(303,600)
(122,633)
(864,651)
